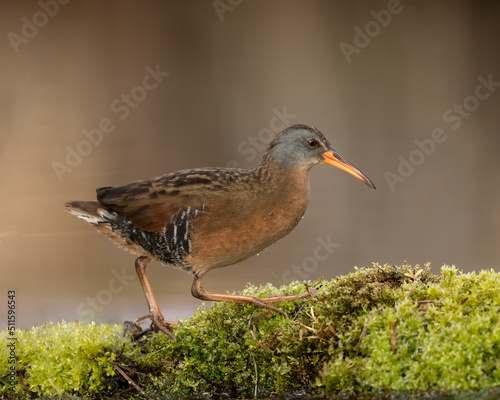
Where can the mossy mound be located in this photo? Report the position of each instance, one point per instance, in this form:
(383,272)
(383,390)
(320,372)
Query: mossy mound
(381,331)
(58,359)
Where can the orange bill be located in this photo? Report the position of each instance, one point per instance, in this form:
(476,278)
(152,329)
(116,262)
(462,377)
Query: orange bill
(333,157)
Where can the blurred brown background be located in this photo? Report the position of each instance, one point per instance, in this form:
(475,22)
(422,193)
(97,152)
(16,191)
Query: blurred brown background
(374,76)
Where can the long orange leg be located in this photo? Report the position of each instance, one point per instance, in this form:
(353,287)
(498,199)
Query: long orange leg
(200,293)
(154,311)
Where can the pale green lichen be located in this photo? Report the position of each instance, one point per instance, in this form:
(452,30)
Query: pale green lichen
(378,330)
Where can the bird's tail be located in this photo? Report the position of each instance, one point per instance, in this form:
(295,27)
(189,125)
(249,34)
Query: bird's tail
(91,211)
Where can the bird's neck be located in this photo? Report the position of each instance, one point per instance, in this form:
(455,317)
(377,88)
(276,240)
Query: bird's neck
(284,180)
(282,193)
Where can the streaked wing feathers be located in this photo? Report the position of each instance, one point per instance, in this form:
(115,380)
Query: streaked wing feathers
(151,204)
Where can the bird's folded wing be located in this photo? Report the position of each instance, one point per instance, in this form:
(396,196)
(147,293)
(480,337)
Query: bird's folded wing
(151,204)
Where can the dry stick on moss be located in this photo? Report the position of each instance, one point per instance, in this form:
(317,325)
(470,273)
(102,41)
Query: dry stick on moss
(365,327)
(256,377)
(21,381)
(117,367)
(252,330)
(394,339)
(58,390)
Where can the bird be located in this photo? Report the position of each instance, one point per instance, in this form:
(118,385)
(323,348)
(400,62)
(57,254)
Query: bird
(206,218)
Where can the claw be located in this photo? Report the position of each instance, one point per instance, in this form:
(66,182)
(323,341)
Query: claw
(159,323)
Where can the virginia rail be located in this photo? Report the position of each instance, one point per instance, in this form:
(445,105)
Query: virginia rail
(206,218)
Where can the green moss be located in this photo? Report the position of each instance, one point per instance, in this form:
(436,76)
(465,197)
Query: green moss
(444,336)
(376,331)
(60,359)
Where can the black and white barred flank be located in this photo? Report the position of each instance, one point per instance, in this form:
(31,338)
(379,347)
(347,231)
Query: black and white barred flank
(170,246)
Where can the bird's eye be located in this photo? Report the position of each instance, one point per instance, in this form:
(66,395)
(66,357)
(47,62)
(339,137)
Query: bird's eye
(312,143)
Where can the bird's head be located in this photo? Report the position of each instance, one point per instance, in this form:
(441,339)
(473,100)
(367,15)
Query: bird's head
(302,146)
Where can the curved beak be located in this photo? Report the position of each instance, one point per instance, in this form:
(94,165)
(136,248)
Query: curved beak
(333,157)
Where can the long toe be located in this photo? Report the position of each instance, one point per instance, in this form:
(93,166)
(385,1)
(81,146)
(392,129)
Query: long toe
(160,324)
(256,301)
(142,318)
(168,323)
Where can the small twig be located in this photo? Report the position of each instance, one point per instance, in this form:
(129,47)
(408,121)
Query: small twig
(129,389)
(307,327)
(256,377)
(117,367)
(58,390)
(253,331)
(121,351)
(376,265)
(394,339)
(365,327)
(21,381)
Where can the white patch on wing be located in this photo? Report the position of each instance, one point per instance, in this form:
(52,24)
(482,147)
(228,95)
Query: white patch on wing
(105,214)
(91,219)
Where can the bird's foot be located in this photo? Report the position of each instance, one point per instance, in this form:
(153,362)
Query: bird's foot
(159,323)
(262,302)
